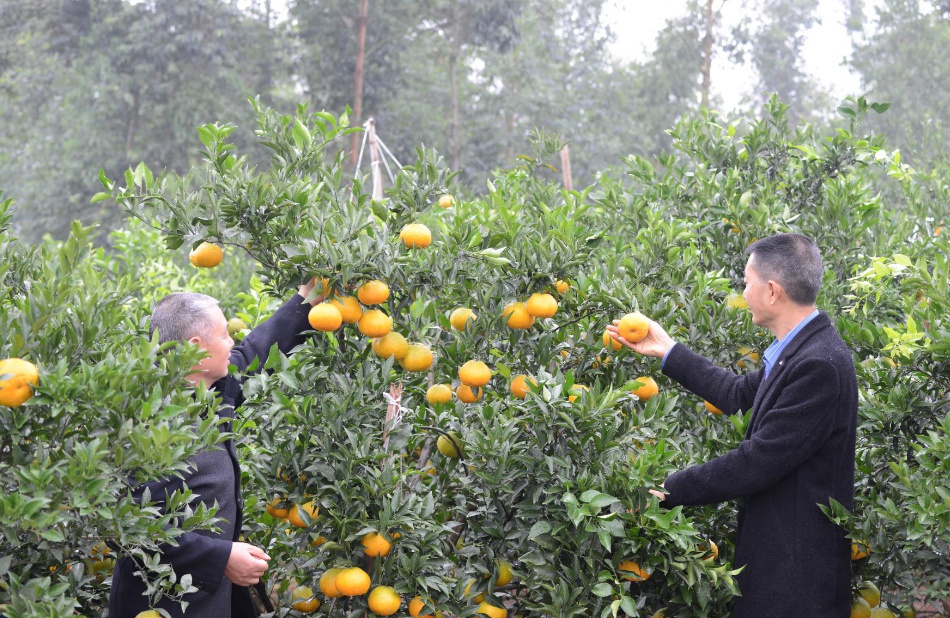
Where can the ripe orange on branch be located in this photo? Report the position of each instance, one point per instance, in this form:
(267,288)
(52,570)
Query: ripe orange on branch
(325,317)
(860,550)
(541,305)
(450,445)
(384,601)
(352,582)
(295,518)
(392,344)
(632,571)
(17,379)
(373,292)
(328,583)
(375,323)
(492,611)
(439,393)
(206,255)
(610,343)
(416,236)
(519,386)
(349,309)
(446,201)
(474,373)
(712,409)
(633,327)
(647,389)
(517,316)
(418,357)
(460,317)
(303,601)
(466,394)
(376,545)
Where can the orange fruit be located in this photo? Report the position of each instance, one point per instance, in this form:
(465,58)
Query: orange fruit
(236,325)
(206,255)
(325,317)
(17,379)
(860,608)
(712,409)
(710,552)
(576,391)
(418,358)
(474,373)
(439,393)
(562,287)
(519,386)
(882,612)
(907,611)
(450,445)
(749,358)
(149,613)
(320,540)
(610,343)
(517,316)
(870,593)
(466,395)
(384,601)
(541,305)
(446,201)
(460,317)
(505,574)
(303,601)
(492,611)
(736,301)
(352,582)
(392,344)
(328,583)
(376,545)
(633,327)
(350,310)
(276,510)
(373,292)
(647,390)
(631,571)
(416,236)
(375,323)
(294,516)
(415,608)
(860,550)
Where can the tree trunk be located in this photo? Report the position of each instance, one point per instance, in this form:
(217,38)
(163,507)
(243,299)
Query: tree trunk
(455,139)
(710,22)
(358,79)
(133,125)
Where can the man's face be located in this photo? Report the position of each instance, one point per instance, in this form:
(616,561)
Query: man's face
(758,293)
(218,346)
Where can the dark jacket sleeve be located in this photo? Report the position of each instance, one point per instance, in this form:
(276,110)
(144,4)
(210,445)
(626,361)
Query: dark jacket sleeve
(728,391)
(788,433)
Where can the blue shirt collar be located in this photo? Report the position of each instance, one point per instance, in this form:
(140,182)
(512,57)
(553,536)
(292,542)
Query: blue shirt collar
(774,350)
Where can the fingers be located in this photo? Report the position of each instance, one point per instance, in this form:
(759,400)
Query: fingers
(246,564)
(658,494)
(257,552)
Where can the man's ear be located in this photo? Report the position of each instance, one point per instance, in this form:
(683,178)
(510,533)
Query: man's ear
(197,341)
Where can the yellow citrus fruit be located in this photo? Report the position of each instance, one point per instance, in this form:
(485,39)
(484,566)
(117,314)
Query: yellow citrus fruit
(517,316)
(478,598)
(460,317)
(149,613)
(350,310)
(860,550)
(660,613)
(736,301)
(446,201)
(278,508)
(439,393)
(450,445)
(860,608)
(418,358)
(206,255)
(562,287)
(710,551)
(320,540)
(519,386)
(416,606)
(492,611)
(505,574)
(376,545)
(711,408)
(373,292)
(870,593)
(384,601)
(328,583)
(474,373)
(392,344)
(375,323)
(236,325)
(907,611)
(352,582)
(325,317)
(303,601)
(576,391)
(631,571)
(882,612)
(633,327)
(647,390)
(17,379)
(296,511)
(749,358)
(416,236)
(466,394)
(610,343)
(541,305)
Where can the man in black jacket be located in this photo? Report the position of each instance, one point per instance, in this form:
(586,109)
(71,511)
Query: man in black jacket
(221,567)
(798,450)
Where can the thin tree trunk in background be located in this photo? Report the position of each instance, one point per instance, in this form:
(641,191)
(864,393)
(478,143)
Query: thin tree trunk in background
(455,139)
(707,52)
(358,85)
(266,79)
(133,126)
(566,168)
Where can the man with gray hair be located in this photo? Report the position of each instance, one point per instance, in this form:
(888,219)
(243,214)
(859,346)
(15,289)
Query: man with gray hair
(798,449)
(220,565)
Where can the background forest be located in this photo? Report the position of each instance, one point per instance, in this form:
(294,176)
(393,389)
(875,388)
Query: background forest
(90,84)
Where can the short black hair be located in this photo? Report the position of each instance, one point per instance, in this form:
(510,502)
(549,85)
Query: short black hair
(793,260)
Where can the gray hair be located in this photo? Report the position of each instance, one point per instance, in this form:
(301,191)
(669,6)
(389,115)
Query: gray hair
(792,260)
(181,316)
